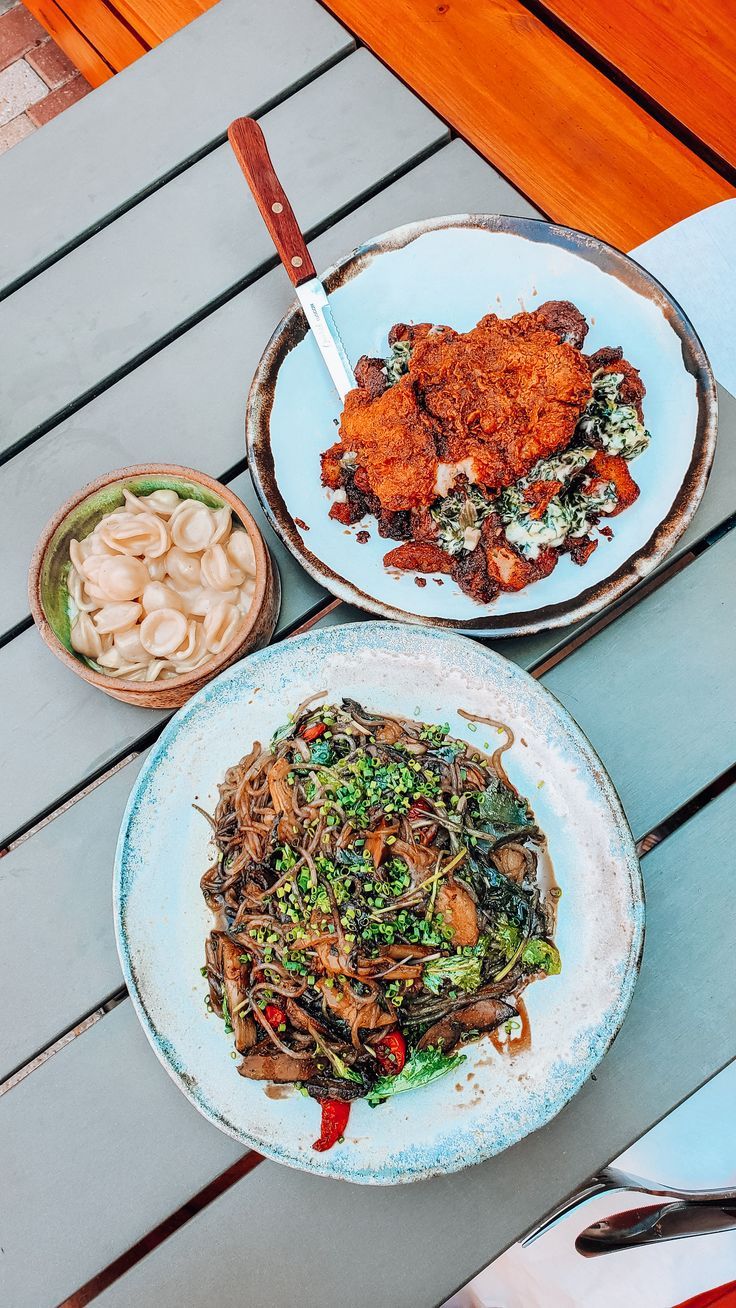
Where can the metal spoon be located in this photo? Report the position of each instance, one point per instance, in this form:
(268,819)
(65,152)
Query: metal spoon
(611,1178)
(640,1226)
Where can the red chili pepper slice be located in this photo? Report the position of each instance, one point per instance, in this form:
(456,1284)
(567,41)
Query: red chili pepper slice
(335,1114)
(418,808)
(391,1053)
(312,733)
(275,1015)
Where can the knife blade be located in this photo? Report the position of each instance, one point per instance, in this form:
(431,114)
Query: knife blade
(660,1222)
(251,152)
(316,306)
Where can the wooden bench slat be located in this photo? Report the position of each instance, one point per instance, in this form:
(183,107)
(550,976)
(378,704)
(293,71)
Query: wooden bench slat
(681,55)
(574,143)
(126,1144)
(187,403)
(112,39)
(74,43)
(156,20)
(103,152)
(128,288)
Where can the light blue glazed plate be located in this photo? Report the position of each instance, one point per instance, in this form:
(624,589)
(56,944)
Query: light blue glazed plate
(453,271)
(492,1100)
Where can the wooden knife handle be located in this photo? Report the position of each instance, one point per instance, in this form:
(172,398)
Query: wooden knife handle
(251,152)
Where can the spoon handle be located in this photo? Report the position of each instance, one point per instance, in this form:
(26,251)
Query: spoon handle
(251,152)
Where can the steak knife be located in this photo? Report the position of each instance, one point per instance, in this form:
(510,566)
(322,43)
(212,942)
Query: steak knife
(251,152)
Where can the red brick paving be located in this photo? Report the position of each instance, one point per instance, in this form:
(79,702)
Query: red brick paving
(30,62)
(14,131)
(19,32)
(52,65)
(44,110)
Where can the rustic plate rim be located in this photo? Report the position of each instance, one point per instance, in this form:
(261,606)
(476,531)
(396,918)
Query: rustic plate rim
(626,851)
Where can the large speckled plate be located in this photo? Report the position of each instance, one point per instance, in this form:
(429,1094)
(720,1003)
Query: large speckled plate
(492,1100)
(453,271)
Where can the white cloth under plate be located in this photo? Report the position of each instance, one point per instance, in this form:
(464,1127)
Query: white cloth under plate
(696,261)
(694,1148)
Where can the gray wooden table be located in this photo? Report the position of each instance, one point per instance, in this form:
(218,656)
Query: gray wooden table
(137,289)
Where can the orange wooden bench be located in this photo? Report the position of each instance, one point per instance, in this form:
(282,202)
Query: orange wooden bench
(103,36)
(563,131)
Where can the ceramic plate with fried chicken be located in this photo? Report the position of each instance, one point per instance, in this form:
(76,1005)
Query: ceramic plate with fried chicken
(531,430)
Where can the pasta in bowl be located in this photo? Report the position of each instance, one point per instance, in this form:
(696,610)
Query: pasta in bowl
(150,581)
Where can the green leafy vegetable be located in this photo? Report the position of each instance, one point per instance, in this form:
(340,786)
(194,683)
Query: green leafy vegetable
(507,936)
(321,752)
(461,969)
(542,954)
(425,1065)
(339,1065)
(498,811)
(283,732)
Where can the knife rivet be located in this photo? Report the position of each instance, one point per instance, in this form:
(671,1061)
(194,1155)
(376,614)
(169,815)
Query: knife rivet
(297,261)
(277,208)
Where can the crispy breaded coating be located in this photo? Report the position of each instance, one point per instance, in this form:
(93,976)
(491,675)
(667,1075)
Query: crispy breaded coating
(495,399)
(504,395)
(393,442)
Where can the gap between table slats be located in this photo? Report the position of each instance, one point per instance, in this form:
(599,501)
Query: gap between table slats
(551,122)
(196,242)
(652,52)
(146,126)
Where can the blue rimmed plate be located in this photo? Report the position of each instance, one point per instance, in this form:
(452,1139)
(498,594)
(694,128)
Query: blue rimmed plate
(493,1100)
(454,270)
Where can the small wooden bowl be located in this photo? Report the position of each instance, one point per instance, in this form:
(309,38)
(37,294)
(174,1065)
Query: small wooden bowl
(49,597)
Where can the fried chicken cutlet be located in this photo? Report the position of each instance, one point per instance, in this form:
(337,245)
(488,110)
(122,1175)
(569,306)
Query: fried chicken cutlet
(487,404)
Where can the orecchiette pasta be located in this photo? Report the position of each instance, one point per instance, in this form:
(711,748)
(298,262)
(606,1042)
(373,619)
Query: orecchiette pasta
(184,569)
(199,601)
(112,618)
(194,526)
(220,626)
(163,631)
(135,533)
(159,586)
(158,596)
(218,571)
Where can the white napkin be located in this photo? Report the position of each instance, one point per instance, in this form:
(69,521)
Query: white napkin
(696,261)
(695,1148)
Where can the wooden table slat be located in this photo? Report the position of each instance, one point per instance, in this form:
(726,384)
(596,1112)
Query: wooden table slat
(128,1147)
(120,1147)
(681,55)
(143,125)
(663,670)
(187,403)
(66,868)
(190,242)
(573,142)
